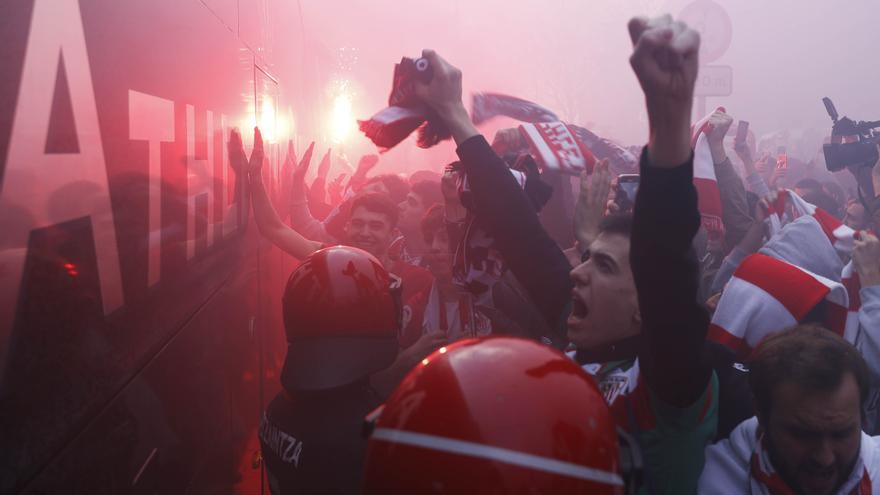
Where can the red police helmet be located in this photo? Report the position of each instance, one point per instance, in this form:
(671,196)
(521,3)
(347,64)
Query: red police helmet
(496,415)
(341,316)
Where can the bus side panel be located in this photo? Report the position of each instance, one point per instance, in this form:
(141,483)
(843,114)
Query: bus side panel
(186,423)
(121,220)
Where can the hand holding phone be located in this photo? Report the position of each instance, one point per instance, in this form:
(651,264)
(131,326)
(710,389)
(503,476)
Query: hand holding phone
(781,158)
(742,134)
(625,194)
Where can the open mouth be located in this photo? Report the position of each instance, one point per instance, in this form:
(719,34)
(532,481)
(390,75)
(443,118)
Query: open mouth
(579,310)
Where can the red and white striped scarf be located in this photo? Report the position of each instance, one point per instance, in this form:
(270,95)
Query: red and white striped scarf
(741,464)
(787,208)
(766,295)
(709,196)
(488,105)
(556,147)
(765,479)
(477,264)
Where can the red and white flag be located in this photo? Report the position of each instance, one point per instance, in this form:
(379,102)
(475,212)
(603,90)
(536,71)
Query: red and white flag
(555,147)
(709,196)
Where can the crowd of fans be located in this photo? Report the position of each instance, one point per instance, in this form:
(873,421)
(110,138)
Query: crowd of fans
(442,341)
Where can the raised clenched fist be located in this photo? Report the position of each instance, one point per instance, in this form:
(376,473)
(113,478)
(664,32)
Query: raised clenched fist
(665,62)
(866,259)
(664,57)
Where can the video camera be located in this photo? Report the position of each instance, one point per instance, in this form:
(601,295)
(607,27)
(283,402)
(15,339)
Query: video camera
(852,143)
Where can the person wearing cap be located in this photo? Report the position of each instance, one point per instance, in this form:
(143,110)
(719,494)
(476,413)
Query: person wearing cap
(341,317)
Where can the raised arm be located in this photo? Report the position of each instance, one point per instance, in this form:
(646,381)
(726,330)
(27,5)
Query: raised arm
(500,205)
(734,205)
(301,218)
(591,202)
(666,218)
(753,179)
(265,216)
(287,169)
(318,191)
(866,261)
(359,177)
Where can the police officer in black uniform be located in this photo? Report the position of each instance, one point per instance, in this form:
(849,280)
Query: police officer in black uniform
(341,316)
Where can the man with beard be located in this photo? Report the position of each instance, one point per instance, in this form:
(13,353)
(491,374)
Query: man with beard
(808,385)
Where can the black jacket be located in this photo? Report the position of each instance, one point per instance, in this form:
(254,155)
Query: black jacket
(671,349)
(666,274)
(507,214)
(312,442)
(674,354)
